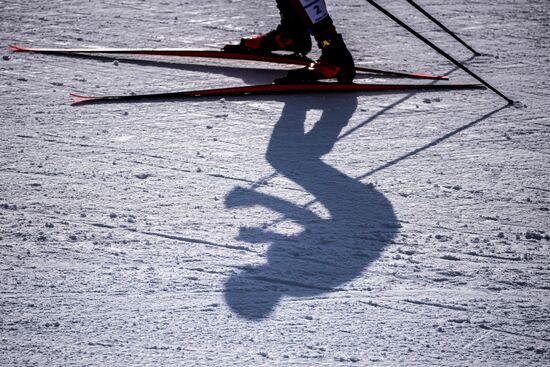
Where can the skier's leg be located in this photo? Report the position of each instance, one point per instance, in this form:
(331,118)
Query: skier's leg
(314,15)
(292,34)
(336,60)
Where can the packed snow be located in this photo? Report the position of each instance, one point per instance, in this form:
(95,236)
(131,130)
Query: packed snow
(402,228)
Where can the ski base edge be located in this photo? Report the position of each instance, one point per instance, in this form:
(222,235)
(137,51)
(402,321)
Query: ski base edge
(272,89)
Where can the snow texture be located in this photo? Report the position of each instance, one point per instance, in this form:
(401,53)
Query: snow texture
(328,230)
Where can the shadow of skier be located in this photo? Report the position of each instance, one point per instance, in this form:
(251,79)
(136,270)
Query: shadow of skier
(327,253)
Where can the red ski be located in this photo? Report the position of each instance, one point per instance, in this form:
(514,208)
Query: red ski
(215,54)
(297,88)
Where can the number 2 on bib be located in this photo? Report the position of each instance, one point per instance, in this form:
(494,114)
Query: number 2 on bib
(316,9)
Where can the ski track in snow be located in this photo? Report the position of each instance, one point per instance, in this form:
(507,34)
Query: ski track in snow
(377,229)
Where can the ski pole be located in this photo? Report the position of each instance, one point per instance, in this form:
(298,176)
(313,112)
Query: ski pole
(440,51)
(430,17)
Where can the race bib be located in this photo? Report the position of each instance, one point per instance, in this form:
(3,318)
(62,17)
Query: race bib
(315,9)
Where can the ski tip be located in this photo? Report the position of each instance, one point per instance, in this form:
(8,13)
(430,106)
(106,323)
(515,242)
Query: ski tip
(79,99)
(17,48)
(428,76)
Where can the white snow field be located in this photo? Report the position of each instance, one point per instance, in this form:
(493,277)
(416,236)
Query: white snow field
(381,229)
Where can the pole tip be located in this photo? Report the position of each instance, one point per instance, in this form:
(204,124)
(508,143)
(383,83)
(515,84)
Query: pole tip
(517,104)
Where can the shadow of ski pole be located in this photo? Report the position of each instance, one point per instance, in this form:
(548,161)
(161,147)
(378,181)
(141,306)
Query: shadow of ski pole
(431,144)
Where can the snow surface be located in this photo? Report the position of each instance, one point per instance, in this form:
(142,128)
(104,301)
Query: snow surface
(336,230)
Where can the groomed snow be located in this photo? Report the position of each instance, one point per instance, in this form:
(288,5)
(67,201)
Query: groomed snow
(330,230)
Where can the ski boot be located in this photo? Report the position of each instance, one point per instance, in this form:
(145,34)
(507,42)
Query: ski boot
(279,39)
(335,62)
